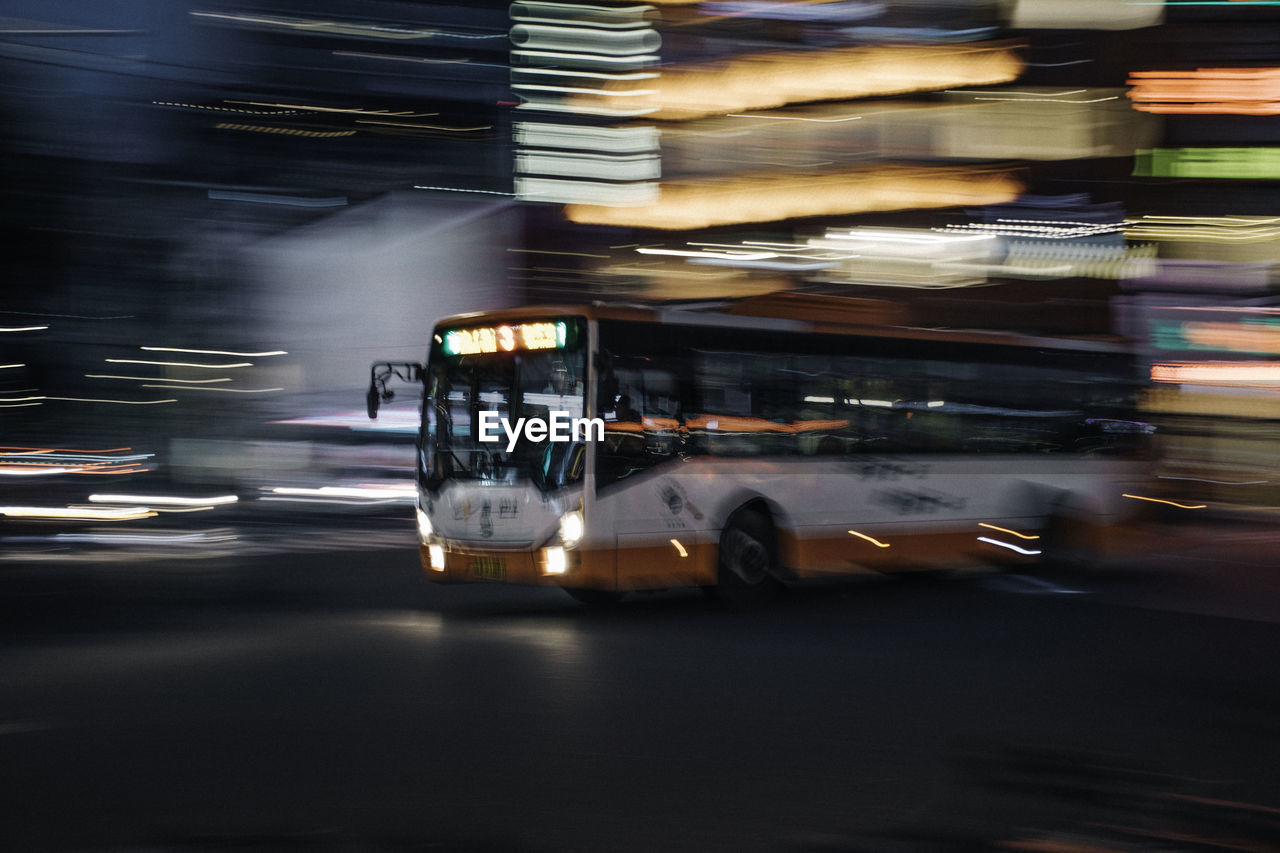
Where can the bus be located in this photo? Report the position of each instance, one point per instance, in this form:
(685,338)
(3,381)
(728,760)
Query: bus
(744,445)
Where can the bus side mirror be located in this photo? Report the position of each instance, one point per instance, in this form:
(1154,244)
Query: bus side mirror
(379,393)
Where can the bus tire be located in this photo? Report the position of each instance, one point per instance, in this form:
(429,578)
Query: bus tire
(746,564)
(594,597)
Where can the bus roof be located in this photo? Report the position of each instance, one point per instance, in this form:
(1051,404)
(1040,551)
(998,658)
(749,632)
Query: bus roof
(795,312)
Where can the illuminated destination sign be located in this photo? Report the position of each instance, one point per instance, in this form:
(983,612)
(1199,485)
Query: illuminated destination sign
(505,338)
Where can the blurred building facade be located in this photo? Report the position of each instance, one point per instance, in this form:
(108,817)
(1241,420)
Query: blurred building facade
(327,179)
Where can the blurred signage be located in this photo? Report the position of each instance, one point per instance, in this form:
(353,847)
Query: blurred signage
(507,338)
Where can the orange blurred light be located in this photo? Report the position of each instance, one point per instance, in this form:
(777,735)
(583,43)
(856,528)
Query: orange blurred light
(693,204)
(1224,91)
(767,80)
(1215,372)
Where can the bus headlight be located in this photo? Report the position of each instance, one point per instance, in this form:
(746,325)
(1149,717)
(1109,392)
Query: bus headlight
(435,553)
(571,528)
(557,561)
(424,526)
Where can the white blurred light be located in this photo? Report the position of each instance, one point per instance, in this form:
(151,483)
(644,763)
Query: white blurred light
(1007,545)
(571,528)
(557,561)
(164,500)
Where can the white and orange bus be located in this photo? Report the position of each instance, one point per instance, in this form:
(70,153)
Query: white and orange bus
(758,442)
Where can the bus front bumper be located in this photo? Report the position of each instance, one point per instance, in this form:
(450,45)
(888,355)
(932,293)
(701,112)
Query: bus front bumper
(550,566)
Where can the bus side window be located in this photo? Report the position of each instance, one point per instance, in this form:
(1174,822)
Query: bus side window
(642,421)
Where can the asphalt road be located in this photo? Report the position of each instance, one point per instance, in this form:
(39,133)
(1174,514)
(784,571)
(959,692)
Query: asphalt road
(337,702)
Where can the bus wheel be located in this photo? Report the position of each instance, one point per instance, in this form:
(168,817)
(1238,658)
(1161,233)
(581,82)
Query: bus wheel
(745,572)
(595,597)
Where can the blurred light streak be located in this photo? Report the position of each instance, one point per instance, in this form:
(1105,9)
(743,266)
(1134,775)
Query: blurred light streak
(225,109)
(285,131)
(766,80)
(121,514)
(120,402)
(1204,228)
(1161,501)
(917,35)
(615,76)
(599,16)
(795,118)
(22,328)
(17,26)
(322,27)
(1007,530)
(1216,482)
(1250,336)
(771,197)
(155,509)
(422,59)
(27,451)
(335,501)
(1261,163)
(1215,372)
(36,469)
(461,190)
(215,351)
(413,126)
(616,140)
(7,366)
(680,549)
(350,110)
(1052,100)
(586,60)
(1039,228)
(732,256)
(1086,14)
(183,509)
(150,378)
(848,10)
(1235,91)
(1010,546)
(870,539)
(635,39)
(588,193)
(633,167)
(180,363)
(224,390)
(549,252)
(143,538)
(909,257)
(164,500)
(73,316)
(267,198)
(1034,258)
(389,420)
(407,492)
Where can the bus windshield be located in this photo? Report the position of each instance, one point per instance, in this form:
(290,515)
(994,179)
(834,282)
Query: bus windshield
(527,370)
